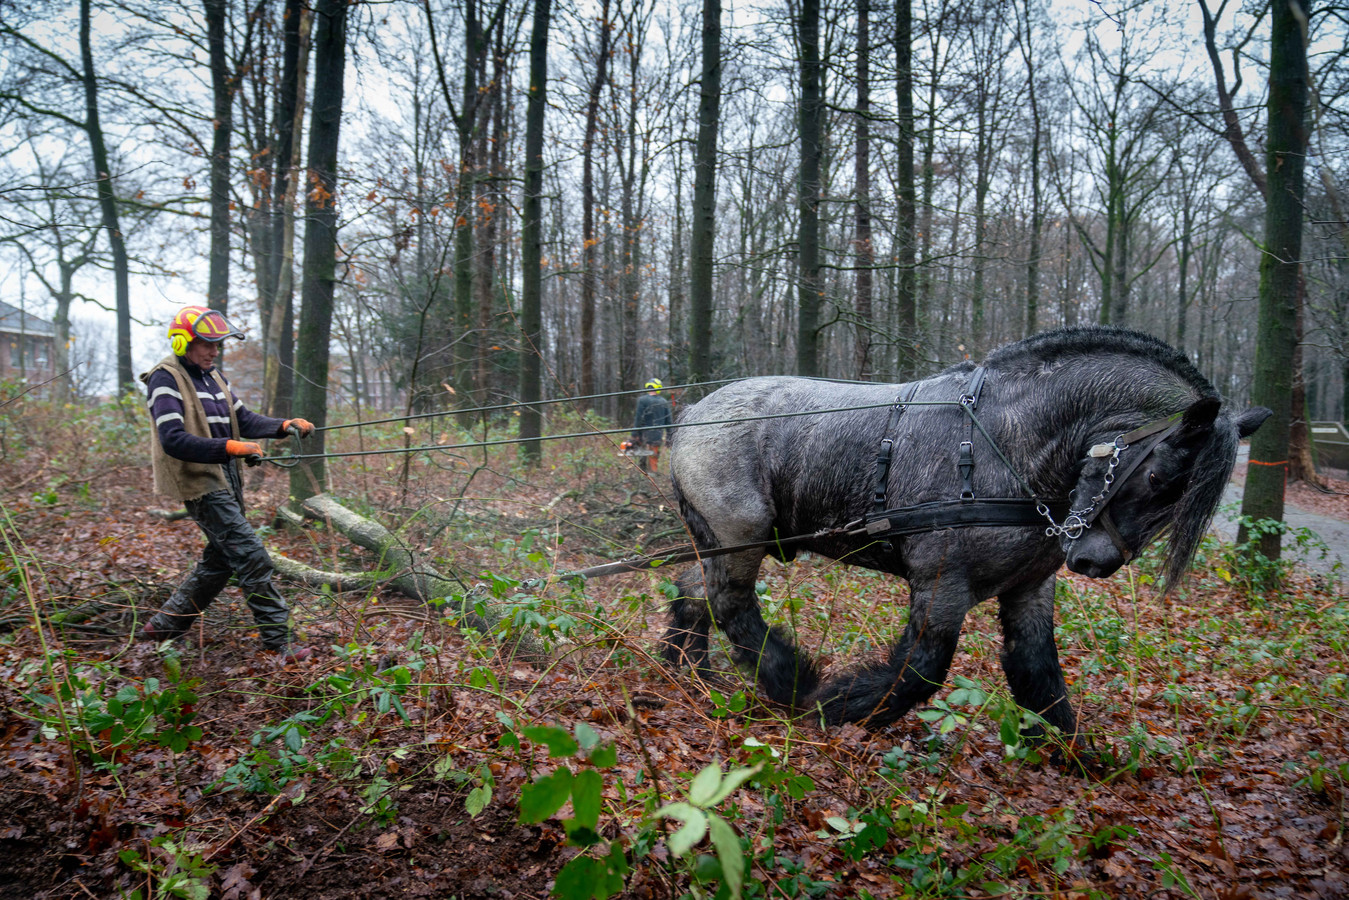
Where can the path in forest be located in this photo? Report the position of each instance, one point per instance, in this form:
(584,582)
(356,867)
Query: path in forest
(1333,532)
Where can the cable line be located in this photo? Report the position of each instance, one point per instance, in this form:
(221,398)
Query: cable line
(518,405)
(286,461)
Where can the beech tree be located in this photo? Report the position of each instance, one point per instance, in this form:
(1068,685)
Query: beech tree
(809,288)
(589,241)
(702,251)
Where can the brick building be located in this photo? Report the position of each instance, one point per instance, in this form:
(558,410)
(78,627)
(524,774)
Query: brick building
(26,345)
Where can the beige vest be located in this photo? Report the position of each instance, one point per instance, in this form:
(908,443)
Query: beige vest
(178,478)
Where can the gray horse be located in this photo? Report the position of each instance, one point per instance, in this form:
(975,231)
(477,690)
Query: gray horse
(1051,411)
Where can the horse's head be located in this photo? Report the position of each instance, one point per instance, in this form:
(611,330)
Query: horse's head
(1168,473)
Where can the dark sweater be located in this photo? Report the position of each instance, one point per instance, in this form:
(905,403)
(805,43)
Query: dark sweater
(166,409)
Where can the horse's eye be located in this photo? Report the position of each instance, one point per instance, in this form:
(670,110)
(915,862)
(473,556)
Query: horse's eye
(1153,480)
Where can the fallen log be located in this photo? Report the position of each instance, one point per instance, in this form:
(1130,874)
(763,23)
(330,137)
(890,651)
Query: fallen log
(405,572)
(294,570)
(73,616)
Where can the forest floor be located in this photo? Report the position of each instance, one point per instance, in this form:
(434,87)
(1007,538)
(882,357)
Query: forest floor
(414,757)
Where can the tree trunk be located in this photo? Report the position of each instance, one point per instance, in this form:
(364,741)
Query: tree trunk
(865,258)
(531,232)
(701,249)
(629,291)
(1037,214)
(588,239)
(1183,263)
(1301,465)
(107,201)
(678,355)
(320,239)
(983,165)
(411,577)
(808,196)
(222,129)
(489,209)
(280,343)
(906,226)
(62,392)
(1285,156)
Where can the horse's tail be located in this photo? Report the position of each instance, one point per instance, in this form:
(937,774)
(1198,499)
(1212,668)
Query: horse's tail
(726,596)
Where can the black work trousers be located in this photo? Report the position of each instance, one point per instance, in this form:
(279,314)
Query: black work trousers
(232,548)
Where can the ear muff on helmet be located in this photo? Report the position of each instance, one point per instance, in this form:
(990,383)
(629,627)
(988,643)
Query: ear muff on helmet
(198,322)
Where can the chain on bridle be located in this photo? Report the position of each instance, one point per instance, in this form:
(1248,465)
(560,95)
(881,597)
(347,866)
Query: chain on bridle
(1079,520)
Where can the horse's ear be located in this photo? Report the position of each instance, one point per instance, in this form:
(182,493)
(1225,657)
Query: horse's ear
(1200,416)
(1251,419)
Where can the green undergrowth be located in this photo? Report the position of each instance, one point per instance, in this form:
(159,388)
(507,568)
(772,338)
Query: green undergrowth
(956,801)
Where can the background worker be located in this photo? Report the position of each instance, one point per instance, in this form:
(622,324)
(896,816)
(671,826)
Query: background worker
(198,429)
(651,425)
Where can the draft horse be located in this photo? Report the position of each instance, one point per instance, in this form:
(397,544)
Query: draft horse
(1079,445)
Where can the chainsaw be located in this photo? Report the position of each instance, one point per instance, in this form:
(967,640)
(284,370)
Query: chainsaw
(635,449)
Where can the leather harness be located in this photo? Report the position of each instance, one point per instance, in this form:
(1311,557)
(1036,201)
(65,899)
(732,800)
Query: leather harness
(968,511)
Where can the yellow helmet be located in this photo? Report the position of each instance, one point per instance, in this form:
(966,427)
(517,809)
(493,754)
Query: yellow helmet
(193,322)
(654,385)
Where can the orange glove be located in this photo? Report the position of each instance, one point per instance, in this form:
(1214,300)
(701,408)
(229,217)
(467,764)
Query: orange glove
(243,448)
(306,428)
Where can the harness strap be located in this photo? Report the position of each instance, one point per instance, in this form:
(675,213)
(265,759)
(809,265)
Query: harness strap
(884,455)
(969,401)
(1156,432)
(960,514)
(893,522)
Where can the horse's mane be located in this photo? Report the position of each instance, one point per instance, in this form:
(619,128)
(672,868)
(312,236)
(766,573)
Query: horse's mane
(1095,341)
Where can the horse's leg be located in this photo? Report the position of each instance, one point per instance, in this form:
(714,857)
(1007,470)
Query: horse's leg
(880,693)
(685,643)
(722,590)
(1031,658)
(783,673)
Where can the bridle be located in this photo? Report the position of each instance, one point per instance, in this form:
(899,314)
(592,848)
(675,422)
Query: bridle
(1098,509)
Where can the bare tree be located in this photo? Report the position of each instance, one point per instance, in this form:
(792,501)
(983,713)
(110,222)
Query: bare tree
(531,307)
(809,289)
(702,242)
(1286,143)
(320,237)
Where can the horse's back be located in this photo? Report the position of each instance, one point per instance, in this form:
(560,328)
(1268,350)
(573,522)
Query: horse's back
(751,456)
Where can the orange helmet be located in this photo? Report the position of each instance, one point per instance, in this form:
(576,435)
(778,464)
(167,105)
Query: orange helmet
(194,322)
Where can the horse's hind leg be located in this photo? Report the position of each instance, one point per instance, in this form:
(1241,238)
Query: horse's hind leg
(722,590)
(916,667)
(1030,658)
(782,672)
(685,643)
